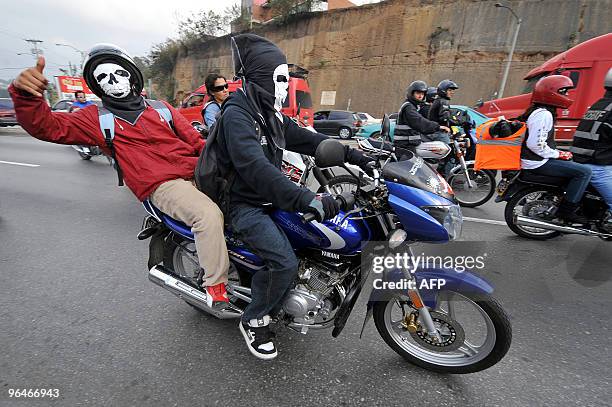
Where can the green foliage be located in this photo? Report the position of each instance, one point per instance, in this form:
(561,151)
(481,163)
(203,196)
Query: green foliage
(159,64)
(208,23)
(285,8)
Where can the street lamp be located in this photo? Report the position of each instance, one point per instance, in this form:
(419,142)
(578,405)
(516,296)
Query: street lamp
(83,53)
(500,94)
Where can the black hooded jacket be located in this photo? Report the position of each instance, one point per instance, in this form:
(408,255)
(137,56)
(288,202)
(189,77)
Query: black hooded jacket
(257,163)
(440,112)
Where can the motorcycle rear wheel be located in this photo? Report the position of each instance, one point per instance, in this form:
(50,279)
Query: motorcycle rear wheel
(467,358)
(517,201)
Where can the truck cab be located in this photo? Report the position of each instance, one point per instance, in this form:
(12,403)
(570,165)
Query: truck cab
(586,65)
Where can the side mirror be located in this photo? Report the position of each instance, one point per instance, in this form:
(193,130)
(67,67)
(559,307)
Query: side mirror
(386,125)
(330,153)
(479,103)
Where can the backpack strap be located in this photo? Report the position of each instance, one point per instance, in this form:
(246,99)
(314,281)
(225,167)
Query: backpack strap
(162,110)
(107,125)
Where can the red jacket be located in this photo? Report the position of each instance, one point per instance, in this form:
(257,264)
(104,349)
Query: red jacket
(149,153)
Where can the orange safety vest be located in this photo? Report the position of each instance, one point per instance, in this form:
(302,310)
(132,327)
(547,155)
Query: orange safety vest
(498,153)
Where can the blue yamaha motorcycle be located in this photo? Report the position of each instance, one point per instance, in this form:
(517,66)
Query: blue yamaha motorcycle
(450,327)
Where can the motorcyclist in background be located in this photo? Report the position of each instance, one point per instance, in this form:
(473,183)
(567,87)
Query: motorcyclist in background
(539,152)
(430,96)
(412,128)
(592,144)
(440,109)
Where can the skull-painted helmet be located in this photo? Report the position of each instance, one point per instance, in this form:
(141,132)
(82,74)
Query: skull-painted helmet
(104,76)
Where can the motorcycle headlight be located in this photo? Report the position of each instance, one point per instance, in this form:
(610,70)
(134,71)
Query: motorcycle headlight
(448,216)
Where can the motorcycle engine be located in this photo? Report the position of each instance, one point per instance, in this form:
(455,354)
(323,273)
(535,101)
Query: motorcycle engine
(314,298)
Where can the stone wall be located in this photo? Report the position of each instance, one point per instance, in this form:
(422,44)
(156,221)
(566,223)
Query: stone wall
(369,54)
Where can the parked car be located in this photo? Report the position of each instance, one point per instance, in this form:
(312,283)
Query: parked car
(298,97)
(341,123)
(62,105)
(7,113)
(373,130)
(366,118)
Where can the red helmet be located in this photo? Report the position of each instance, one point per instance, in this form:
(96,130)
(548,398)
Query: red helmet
(552,91)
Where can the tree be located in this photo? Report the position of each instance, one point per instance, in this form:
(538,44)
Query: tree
(285,8)
(208,24)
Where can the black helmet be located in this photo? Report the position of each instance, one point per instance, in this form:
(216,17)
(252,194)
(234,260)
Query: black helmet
(109,53)
(416,86)
(608,80)
(431,94)
(445,85)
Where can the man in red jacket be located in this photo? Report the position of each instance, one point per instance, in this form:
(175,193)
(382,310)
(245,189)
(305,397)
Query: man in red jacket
(154,157)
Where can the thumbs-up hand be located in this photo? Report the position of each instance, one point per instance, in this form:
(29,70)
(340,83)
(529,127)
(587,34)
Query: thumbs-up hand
(32,79)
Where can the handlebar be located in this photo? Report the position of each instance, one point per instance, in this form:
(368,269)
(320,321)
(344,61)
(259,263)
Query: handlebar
(346,200)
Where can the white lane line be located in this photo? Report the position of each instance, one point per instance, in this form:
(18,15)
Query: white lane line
(22,164)
(490,221)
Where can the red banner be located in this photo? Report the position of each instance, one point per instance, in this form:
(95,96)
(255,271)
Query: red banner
(70,84)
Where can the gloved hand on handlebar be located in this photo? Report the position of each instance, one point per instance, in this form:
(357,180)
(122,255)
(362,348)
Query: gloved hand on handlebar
(324,207)
(565,155)
(358,158)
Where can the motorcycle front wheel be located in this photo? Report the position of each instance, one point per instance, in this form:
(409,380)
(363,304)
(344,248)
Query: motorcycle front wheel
(483,186)
(476,332)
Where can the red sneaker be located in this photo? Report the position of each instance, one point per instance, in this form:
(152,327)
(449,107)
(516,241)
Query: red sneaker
(216,295)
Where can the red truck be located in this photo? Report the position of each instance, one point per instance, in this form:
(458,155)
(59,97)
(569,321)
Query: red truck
(586,65)
(298,96)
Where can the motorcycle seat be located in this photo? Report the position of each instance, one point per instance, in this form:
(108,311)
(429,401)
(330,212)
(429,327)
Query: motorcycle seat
(528,176)
(173,224)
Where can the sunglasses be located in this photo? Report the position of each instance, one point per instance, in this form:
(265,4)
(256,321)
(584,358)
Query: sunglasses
(219,88)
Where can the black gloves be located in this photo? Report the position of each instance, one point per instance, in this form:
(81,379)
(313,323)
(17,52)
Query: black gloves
(358,158)
(324,206)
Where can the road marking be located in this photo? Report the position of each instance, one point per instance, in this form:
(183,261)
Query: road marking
(490,221)
(22,164)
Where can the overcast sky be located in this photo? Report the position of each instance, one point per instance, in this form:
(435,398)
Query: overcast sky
(135,25)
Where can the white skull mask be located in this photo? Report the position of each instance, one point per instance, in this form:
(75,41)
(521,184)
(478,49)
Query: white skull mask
(113,79)
(281,84)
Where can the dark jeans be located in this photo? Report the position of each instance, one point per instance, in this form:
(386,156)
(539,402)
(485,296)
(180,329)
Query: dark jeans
(579,176)
(269,285)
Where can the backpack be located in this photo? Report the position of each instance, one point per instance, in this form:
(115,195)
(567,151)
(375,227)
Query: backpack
(499,145)
(107,126)
(210,176)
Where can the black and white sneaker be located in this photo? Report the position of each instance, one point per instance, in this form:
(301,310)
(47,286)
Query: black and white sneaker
(259,338)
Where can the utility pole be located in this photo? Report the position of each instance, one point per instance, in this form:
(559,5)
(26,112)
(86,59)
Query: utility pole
(83,53)
(35,50)
(511,53)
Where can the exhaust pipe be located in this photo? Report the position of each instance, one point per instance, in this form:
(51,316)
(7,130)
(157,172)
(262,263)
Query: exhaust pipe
(525,221)
(167,279)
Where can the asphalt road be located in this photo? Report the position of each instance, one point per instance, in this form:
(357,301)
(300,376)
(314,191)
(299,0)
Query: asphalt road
(77,313)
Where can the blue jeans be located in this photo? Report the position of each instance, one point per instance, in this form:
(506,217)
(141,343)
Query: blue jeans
(602,181)
(578,175)
(269,285)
